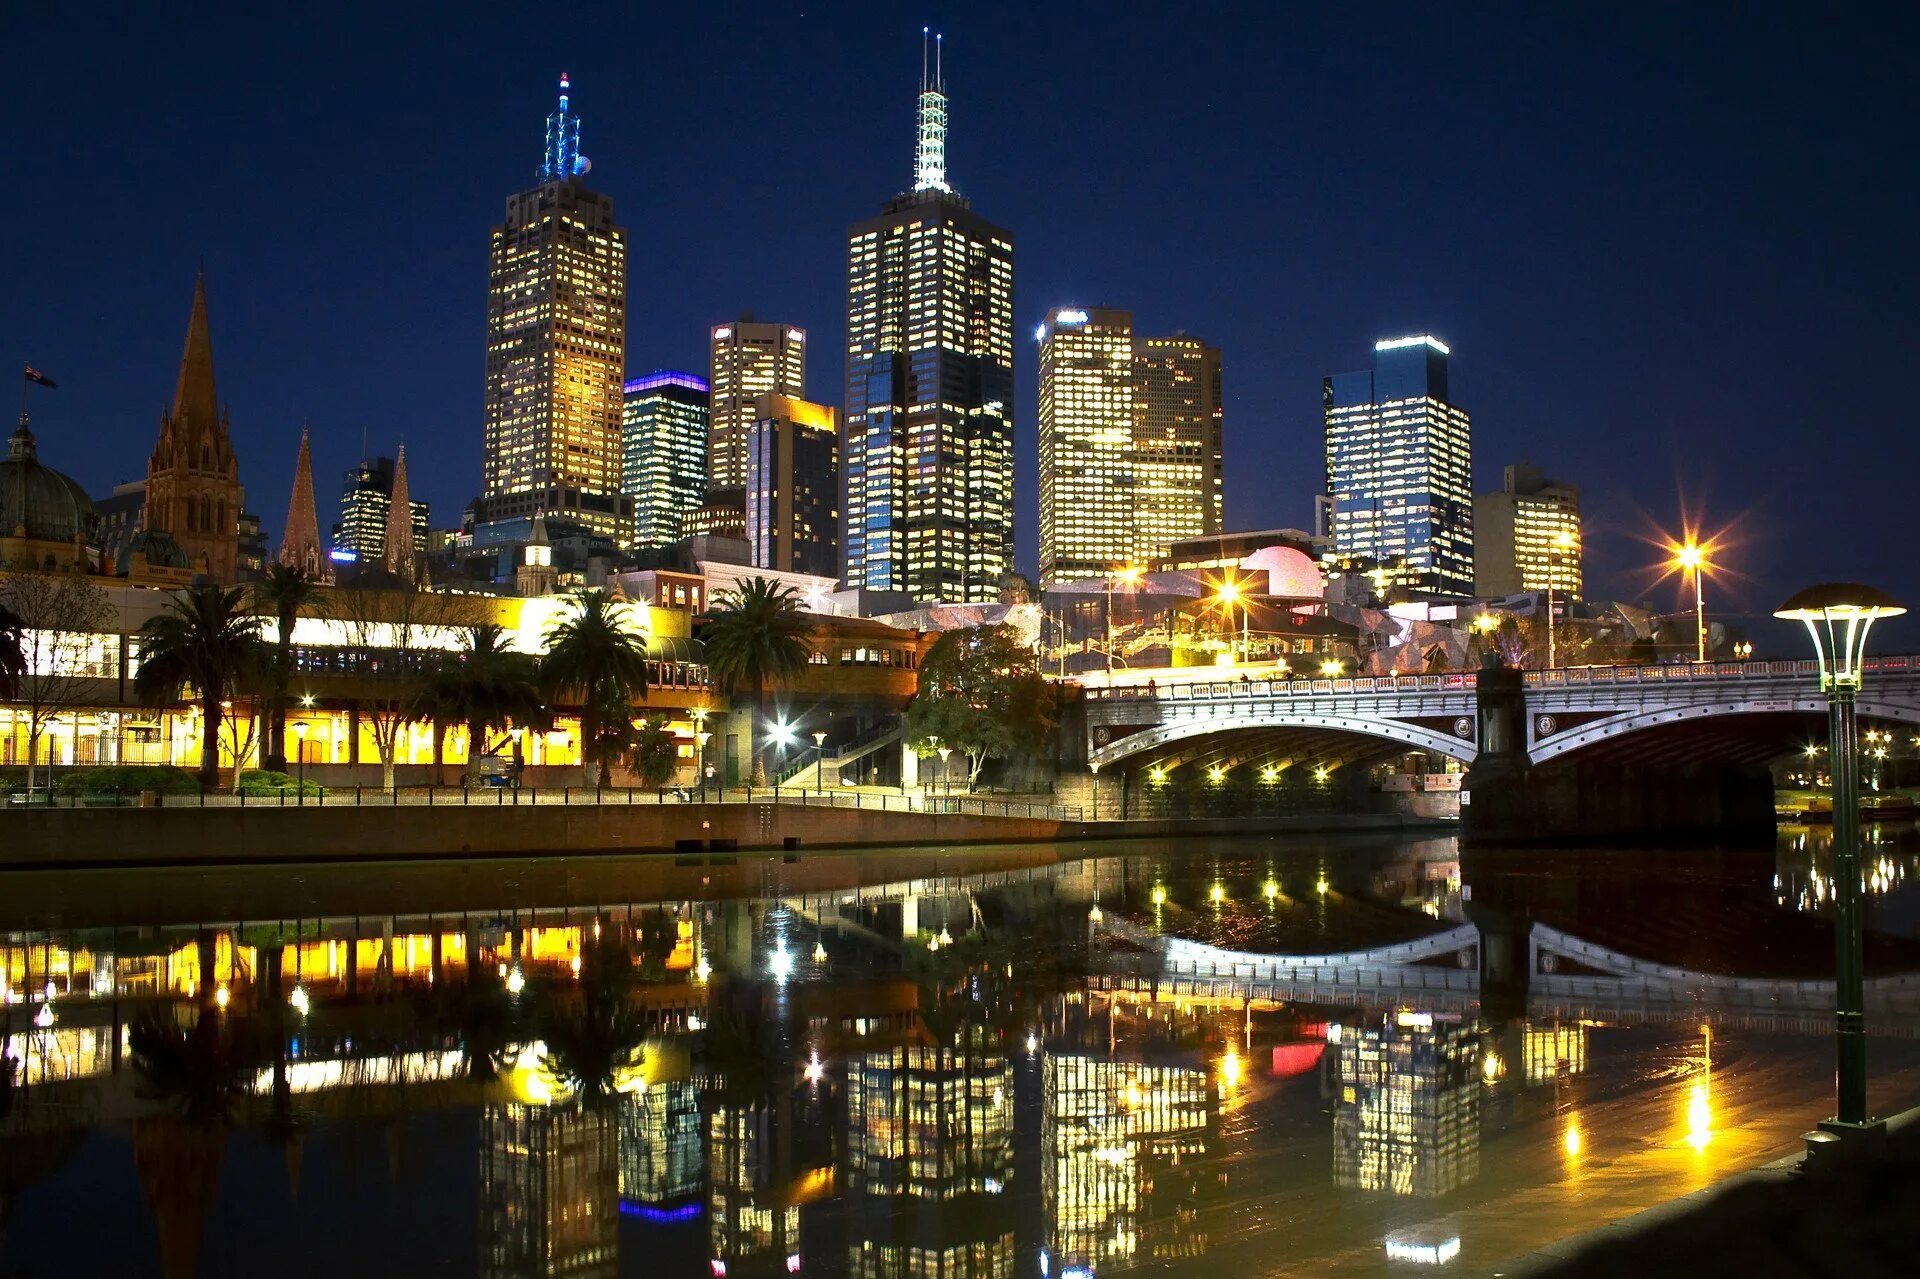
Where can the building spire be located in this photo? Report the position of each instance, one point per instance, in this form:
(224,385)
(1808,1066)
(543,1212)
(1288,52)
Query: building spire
(194,399)
(300,546)
(400,549)
(930,158)
(563,159)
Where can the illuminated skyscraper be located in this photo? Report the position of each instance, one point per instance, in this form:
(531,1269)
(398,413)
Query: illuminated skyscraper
(1526,536)
(929,422)
(792,495)
(556,347)
(366,502)
(1086,443)
(1400,467)
(664,452)
(1178,444)
(1407,1117)
(750,359)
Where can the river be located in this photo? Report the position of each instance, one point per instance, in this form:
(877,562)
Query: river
(1252,1056)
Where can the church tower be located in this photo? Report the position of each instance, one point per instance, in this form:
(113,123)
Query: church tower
(403,558)
(300,547)
(193,479)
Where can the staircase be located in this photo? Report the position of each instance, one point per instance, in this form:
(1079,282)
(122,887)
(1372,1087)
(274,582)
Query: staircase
(834,756)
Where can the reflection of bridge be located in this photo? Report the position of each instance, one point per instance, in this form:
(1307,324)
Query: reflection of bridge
(1443,973)
(1674,710)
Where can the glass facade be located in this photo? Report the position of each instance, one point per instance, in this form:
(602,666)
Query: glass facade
(929,424)
(1400,468)
(793,486)
(1178,444)
(1086,443)
(663,455)
(556,343)
(366,495)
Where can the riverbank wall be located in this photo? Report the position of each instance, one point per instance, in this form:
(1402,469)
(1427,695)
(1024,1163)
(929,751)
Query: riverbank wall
(81,837)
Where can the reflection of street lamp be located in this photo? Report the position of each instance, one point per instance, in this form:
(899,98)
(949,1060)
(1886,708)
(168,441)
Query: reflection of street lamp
(1692,558)
(1838,617)
(300,731)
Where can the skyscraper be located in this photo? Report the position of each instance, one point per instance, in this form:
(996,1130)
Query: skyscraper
(750,358)
(1400,467)
(663,464)
(1178,444)
(193,478)
(1086,443)
(366,502)
(1526,535)
(556,346)
(929,421)
(793,486)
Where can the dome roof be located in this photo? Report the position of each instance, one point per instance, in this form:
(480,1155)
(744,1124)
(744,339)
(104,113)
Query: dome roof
(51,507)
(159,547)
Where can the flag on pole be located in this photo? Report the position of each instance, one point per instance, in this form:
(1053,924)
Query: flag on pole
(40,379)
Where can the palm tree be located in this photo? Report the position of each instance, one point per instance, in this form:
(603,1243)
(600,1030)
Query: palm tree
(486,685)
(205,642)
(598,657)
(13,654)
(285,592)
(756,636)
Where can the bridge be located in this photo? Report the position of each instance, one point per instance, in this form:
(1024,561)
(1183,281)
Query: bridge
(1641,719)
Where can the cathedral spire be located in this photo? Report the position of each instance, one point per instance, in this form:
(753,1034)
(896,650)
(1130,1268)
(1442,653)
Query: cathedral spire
(194,400)
(401,559)
(563,159)
(300,547)
(930,158)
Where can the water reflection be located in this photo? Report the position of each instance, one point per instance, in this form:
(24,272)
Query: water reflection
(1074,1067)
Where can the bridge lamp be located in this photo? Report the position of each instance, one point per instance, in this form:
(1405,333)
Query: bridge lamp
(1216,774)
(1217,894)
(1691,557)
(1332,667)
(1269,774)
(1159,894)
(1838,616)
(1270,889)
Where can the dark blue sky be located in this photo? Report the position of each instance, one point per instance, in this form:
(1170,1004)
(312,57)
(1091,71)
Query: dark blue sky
(1672,247)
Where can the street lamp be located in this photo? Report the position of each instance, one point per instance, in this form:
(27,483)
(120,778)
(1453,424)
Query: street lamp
(300,731)
(946,778)
(518,767)
(1131,577)
(1838,616)
(1692,558)
(1563,542)
(1228,594)
(700,739)
(781,734)
(820,762)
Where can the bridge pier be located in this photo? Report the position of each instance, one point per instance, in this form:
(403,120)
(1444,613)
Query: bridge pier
(1505,799)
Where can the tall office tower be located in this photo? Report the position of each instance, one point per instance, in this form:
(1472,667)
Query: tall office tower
(929,416)
(1526,535)
(300,542)
(1400,467)
(793,486)
(1407,1115)
(1178,444)
(663,456)
(366,500)
(750,359)
(193,478)
(556,346)
(1086,443)
(662,1147)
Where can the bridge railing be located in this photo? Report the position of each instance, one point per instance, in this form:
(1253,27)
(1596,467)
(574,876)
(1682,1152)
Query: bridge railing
(1209,690)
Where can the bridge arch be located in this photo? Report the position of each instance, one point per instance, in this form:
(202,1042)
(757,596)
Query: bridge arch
(1412,736)
(1637,720)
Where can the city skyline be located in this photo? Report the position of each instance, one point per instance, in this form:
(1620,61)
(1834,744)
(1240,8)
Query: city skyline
(1606,343)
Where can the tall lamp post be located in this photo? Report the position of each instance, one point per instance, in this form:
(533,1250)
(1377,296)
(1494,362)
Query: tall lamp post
(1838,616)
(820,761)
(1562,542)
(300,732)
(946,778)
(700,739)
(1692,558)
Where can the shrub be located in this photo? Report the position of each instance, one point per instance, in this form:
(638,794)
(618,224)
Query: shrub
(128,779)
(260,781)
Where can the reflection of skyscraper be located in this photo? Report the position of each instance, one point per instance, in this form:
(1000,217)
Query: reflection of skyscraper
(929,1156)
(1107,1125)
(748,1218)
(662,1159)
(548,1192)
(1407,1116)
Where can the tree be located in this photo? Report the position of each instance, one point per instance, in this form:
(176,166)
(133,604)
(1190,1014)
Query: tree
(54,647)
(285,593)
(756,636)
(654,753)
(598,655)
(980,695)
(487,685)
(398,629)
(13,655)
(204,645)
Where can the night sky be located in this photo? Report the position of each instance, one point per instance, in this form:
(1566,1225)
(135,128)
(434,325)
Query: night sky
(1672,248)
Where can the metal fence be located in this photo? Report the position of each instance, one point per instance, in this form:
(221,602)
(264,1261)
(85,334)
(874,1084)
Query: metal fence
(549,796)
